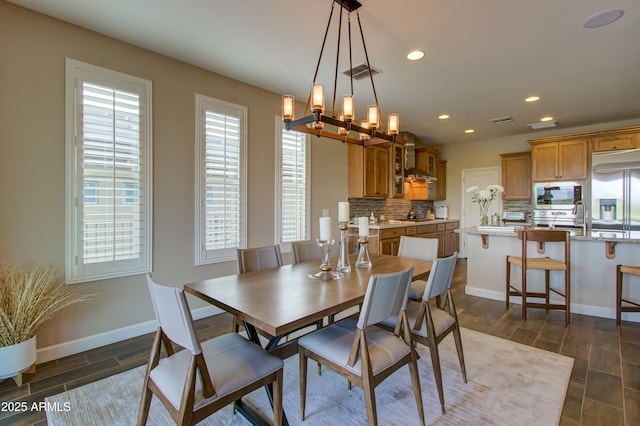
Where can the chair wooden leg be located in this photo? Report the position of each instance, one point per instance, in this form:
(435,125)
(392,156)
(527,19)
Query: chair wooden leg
(415,380)
(508,283)
(370,401)
(524,294)
(277,399)
(145,404)
(458,340)
(618,295)
(547,284)
(437,372)
(303,381)
(567,296)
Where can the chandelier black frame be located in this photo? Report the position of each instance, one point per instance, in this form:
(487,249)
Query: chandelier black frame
(369,132)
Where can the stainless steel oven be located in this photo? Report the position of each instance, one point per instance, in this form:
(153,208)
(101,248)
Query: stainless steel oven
(557,204)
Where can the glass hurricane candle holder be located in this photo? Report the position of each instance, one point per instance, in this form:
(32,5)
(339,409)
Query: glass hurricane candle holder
(326,274)
(343,261)
(363,262)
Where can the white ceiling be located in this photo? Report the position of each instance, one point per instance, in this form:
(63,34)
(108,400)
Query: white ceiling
(482,57)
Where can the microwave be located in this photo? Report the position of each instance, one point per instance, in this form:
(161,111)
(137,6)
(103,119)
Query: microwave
(556,195)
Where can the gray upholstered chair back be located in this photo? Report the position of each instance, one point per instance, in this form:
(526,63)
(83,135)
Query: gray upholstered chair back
(258,259)
(174,316)
(386,295)
(418,248)
(305,250)
(440,276)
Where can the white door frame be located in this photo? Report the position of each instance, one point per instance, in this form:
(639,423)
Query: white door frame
(470,212)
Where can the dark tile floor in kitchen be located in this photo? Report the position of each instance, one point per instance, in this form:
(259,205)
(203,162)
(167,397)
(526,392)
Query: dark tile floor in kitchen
(604,387)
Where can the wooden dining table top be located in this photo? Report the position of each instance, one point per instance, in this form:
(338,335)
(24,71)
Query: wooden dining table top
(281,300)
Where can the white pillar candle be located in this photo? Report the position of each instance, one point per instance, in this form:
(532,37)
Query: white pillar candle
(343,211)
(363,226)
(325,228)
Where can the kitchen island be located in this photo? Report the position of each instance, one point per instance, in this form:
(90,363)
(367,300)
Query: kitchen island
(385,235)
(594,257)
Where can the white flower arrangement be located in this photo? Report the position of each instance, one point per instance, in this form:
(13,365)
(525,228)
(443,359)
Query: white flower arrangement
(484,197)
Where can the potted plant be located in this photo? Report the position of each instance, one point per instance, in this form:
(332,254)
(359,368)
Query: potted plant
(29,296)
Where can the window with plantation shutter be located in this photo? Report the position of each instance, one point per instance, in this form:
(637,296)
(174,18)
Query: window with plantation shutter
(220,176)
(292,185)
(108,174)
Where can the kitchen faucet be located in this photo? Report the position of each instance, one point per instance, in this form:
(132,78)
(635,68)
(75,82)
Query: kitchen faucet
(583,225)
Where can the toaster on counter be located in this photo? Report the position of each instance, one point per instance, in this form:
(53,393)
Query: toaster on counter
(442,212)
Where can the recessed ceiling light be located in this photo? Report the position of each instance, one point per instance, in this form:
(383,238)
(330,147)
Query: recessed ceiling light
(415,55)
(532,99)
(443,116)
(547,118)
(469,131)
(602,18)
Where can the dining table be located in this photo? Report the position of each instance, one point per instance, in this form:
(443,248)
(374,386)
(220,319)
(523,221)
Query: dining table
(276,302)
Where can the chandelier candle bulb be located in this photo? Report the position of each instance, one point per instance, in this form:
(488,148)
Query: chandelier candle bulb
(287,107)
(343,211)
(317,101)
(372,116)
(325,228)
(363,226)
(347,108)
(394,123)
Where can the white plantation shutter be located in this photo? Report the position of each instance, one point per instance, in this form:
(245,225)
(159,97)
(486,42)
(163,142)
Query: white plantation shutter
(292,185)
(108,180)
(220,221)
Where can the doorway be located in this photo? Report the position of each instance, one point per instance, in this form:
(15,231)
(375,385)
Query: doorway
(470,211)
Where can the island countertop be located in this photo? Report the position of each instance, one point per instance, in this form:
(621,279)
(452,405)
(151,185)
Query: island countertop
(576,234)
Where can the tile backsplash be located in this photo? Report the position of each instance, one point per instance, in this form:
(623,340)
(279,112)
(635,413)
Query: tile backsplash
(391,208)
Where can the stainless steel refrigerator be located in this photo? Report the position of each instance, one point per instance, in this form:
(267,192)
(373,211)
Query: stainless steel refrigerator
(615,190)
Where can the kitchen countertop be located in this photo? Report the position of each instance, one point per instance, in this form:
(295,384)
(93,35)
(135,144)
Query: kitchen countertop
(387,224)
(597,235)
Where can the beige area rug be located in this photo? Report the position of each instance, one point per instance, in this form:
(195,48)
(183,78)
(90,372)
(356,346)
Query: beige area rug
(508,384)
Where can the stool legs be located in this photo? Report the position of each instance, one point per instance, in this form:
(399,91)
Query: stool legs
(618,294)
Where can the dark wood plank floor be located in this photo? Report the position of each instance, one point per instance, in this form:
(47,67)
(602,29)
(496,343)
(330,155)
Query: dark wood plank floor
(604,387)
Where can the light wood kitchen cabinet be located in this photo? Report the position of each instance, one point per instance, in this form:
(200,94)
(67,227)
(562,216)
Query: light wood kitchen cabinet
(390,240)
(451,238)
(397,171)
(426,160)
(614,142)
(368,171)
(440,191)
(516,176)
(562,160)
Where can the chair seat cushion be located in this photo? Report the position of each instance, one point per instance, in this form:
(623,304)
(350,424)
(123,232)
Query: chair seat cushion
(334,344)
(232,360)
(441,319)
(539,263)
(417,289)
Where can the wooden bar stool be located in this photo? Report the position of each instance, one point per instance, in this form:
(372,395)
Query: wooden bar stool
(542,238)
(620,270)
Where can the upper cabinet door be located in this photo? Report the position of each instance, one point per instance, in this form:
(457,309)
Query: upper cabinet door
(397,174)
(565,160)
(516,176)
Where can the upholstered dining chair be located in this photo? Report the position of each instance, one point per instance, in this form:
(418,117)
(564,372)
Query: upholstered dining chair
(203,377)
(257,259)
(305,250)
(360,351)
(432,321)
(418,248)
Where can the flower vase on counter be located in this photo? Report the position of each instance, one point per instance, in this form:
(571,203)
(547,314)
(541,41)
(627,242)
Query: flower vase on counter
(484,197)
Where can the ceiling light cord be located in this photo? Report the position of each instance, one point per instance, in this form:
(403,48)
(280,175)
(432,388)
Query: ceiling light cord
(366,55)
(324,41)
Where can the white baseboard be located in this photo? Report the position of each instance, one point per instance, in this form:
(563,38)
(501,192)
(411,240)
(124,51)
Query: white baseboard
(594,311)
(91,342)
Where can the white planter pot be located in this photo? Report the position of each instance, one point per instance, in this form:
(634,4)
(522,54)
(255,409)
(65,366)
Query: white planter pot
(17,358)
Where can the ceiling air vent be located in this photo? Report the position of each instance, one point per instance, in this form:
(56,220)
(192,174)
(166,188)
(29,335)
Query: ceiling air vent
(543,124)
(361,71)
(500,120)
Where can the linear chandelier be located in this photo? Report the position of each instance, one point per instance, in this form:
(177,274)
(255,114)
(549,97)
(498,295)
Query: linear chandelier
(347,129)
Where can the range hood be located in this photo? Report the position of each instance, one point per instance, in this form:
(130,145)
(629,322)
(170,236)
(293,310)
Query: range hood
(411,172)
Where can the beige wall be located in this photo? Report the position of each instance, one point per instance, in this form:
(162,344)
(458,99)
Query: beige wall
(33,49)
(473,155)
